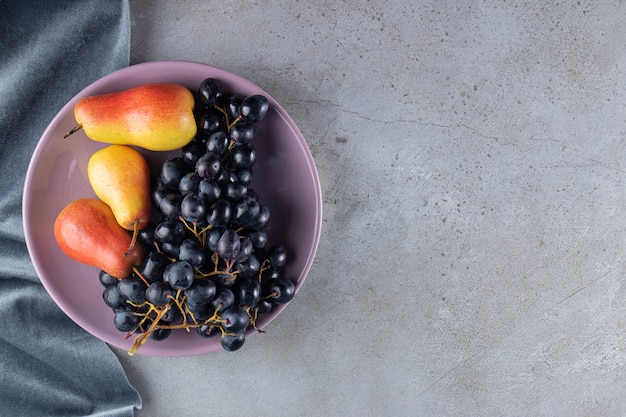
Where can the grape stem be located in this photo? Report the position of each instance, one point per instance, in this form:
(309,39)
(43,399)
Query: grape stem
(253,317)
(141,339)
(158,249)
(229,263)
(140,275)
(230,126)
(193,228)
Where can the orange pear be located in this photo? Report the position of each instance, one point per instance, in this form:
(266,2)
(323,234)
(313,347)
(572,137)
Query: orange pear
(157,116)
(87,232)
(120,176)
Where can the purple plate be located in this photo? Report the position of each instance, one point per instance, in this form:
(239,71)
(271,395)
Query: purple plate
(285,177)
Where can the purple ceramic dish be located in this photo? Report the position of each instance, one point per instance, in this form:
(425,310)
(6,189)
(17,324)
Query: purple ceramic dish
(285,177)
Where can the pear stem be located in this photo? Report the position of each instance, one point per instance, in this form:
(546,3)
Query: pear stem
(133,242)
(74,130)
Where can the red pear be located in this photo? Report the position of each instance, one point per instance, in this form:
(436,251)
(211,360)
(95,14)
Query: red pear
(157,116)
(86,230)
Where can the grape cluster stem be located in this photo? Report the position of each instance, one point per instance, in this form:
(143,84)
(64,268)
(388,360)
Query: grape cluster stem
(155,313)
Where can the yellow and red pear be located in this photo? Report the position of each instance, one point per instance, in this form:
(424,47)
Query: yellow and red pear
(120,177)
(156,116)
(87,232)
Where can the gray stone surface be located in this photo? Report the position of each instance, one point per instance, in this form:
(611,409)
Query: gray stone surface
(471,156)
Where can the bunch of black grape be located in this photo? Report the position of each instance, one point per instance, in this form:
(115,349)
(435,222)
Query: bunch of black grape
(209,266)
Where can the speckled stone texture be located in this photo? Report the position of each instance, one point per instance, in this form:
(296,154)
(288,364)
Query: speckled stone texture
(471,156)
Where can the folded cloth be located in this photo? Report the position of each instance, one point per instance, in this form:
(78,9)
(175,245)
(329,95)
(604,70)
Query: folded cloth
(49,51)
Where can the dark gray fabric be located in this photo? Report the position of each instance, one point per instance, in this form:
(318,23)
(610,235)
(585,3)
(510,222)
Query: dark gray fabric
(49,51)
